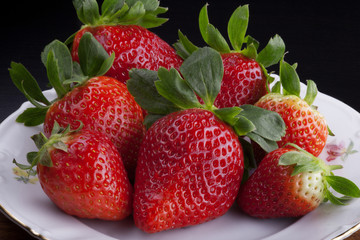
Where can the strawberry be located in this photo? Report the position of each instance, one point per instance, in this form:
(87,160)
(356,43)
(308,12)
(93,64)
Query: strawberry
(189,171)
(191,161)
(102,103)
(245,77)
(290,182)
(82,173)
(305,126)
(122,30)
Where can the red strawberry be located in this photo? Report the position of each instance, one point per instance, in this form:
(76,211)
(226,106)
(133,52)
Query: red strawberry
(305,126)
(190,162)
(243,83)
(189,171)
(102,103)
(291,183)
(126,36)
(245,77)
(82,173)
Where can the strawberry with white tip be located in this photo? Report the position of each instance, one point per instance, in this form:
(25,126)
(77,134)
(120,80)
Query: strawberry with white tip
(290,182)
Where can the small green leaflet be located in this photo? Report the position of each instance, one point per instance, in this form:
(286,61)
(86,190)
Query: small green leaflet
(268,124)
(142,86)
(210,34)
(343,185)
(272,52)
(289,79)
(237,26)
(23,80)
(94,60)
(175,89)
(203,71)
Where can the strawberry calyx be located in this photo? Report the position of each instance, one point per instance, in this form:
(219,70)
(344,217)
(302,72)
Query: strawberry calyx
(304,161)
(57,140)
(63,74)
(200,75)
(120,12)
(236,29)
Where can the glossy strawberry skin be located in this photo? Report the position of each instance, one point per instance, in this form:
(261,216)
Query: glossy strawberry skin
(105,105)
(304,126)
(134,47)
(243,81)
(189,171)
(271,191)
(89,180)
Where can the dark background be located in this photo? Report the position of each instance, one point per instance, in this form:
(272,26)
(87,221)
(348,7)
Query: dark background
(322,38)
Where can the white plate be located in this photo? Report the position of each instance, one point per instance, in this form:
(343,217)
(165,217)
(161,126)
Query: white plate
(27,205)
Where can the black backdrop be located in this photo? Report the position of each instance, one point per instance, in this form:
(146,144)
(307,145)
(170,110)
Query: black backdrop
(322,38)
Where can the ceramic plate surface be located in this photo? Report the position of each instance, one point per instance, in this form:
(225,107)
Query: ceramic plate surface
(28,206)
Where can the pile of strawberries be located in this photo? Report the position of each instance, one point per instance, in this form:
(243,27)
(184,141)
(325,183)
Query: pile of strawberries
(174,136)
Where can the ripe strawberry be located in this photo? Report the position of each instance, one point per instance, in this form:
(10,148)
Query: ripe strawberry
(189,171)
(290,182)
(305,126)
(102,103)
(245,78)
(126,35)
(190,162)
(82,173)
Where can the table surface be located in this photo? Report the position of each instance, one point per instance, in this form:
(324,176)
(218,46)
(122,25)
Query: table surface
(322,39)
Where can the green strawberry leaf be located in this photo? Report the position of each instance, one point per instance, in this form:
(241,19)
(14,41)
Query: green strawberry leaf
(135,13)
(151,20)
(210,34)
(216,40)
(294,157)
(24,81)
(87,11)
(53,74)
(237,26)
(228,115)
(171,86)
(309,167)
(142,86)
(250,51)
(333,199)
(32,116)
(111,7)
(269,124)
(250,40)
(203,71)
(289,79)
(265,144)
(63,57)
(120,12)
(93,58)
(243,126)
(276,88)
(311,92)
(149,5)
(272,53)
(184,47)
(343,185)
